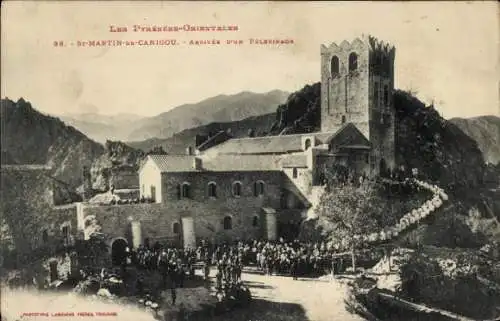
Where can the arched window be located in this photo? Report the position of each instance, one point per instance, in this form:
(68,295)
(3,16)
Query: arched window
(255,221)
(228,223)
(307,144)
(176,228)
(335,66)
(343,119)
(294,172)
(45,236)
(185,190)
(353,61)
(237,189)
(212,189)
(258,189)
(386,95)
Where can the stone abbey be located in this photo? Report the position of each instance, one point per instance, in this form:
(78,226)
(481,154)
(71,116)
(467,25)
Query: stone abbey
(225,189)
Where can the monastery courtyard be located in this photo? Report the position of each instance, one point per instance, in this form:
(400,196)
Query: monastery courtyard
(277,298)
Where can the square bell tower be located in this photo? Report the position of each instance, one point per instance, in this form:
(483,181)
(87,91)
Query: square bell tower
(357,85)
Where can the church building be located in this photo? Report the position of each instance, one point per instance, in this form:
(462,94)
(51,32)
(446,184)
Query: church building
(264,186)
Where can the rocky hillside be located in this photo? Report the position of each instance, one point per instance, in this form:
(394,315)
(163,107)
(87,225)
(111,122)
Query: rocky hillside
(119,159)
(301,113)
(178,143)
(29,137)
(485,130)
(222,108)
(427,141)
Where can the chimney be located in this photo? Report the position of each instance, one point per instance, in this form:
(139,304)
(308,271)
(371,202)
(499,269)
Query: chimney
(196,163)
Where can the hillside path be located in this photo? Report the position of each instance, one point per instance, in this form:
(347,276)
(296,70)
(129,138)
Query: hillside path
(282,298)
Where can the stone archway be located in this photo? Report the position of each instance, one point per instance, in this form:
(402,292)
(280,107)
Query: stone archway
(118,251)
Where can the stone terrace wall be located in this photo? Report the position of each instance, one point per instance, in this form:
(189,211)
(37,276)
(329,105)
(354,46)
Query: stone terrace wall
(157,219)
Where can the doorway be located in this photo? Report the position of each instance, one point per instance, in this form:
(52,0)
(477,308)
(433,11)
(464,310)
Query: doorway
(118,251)
(53,271)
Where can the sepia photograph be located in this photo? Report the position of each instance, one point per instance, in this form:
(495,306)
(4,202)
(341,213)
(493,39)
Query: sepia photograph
(250,161)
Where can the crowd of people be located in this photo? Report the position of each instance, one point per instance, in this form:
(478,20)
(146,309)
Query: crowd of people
(278,257)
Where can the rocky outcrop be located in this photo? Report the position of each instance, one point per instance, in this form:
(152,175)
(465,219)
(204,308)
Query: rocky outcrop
(300,113)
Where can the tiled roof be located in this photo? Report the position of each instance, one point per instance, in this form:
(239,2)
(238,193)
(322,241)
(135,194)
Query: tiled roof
(220,163)
(267,144)
(169,163)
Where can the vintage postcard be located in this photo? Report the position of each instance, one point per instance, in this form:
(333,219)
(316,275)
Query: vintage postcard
(250,161)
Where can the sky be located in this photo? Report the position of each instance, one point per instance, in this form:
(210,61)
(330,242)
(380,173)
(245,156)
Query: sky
(446,52)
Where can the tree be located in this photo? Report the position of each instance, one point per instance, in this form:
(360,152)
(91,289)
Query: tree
(351,212)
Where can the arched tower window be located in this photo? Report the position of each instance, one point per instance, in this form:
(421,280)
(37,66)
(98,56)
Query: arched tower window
(294,172)
(212,189)
(228,223)
(335,66)
(353,61)
(343,119)
(176,228)
(237,189)
(386,95)
(45,236)
(307,144)
(258,188)
(255,221)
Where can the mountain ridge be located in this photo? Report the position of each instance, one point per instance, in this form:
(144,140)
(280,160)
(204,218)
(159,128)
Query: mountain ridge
(485,130)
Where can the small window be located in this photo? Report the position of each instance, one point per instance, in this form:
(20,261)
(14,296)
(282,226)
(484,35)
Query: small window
(66,235)
(386,95)
(294,173)
(259,188)
(343,119)
(185,190)
(335,66)
(255,221)
(212,189)
(353,61)
(237,189)
(176,228)
(45,236)
(228,224)
(307,144)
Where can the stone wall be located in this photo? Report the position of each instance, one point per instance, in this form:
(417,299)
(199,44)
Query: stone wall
(30,221)
(157,220)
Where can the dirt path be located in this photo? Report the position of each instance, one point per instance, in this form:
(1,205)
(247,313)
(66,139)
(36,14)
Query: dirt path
(282,298)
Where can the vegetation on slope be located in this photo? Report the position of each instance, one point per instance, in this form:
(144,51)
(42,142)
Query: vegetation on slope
(29,137)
